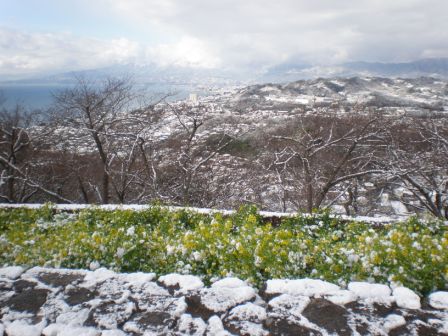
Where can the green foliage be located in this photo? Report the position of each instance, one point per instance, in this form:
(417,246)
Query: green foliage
(412,253)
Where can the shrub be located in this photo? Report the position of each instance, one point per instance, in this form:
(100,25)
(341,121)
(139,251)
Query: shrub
(413,253)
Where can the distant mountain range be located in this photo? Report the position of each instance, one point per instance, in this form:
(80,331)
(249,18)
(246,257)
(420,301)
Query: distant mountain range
(37,92)
(181,80)
(143,74)
(431,67)
(287,72)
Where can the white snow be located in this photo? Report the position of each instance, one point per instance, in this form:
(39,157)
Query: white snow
(393,321)
(193,326)
(21,328)
(63,330)
(185,282)
(229,283)
(307,287)
(248,311)
(100,275)
(108,320)
(439,300)
(215,327)
(287,304)
(94,265)
(399,208)
(137,279)
(406,298)
(371,292)
(11,272)
(32,272)
(252,329)
(132,327)
(219,299)
(74,318)
(180,307)
(269,88)
(153,289)
(341,297)
(113,333)
(10,315)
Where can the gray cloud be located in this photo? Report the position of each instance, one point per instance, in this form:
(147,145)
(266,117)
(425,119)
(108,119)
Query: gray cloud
(326,31)
(252,34)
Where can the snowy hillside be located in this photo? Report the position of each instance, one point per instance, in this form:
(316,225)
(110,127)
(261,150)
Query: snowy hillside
(241,146)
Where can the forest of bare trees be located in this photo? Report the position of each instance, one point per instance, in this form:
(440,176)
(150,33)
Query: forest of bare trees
(102,143)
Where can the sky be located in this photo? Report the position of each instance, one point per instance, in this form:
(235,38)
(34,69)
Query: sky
(39,37)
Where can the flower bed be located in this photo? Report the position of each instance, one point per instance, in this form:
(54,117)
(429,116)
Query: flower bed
(412,253)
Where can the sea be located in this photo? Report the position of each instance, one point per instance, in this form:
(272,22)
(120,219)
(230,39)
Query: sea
(41,96)
(31,96)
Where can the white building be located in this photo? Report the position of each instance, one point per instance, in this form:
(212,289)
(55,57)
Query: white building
(193,98)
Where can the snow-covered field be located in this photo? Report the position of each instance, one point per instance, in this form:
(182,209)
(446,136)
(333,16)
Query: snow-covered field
(61,302)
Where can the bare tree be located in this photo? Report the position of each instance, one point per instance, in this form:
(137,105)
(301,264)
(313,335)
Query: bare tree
(324,152)
(418,152)
(20,149)
(194,153)
(94,114)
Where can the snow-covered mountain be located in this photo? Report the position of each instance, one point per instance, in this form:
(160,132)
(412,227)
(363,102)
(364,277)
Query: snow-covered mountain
(434,67)
(282,73)
(37,92)
(394,96)
(145,74)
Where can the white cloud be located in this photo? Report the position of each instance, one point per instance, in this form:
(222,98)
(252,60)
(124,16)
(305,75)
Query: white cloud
(250,34)
(321,31)
(187,52)
(24,54)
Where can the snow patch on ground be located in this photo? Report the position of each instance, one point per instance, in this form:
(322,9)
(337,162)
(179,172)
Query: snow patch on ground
(215,327)
(439,300)
(180,307)
(113,333)
(185,282)
(56,329)
(220,299)
(399,208)
(38,270)
(341,297)
(248,311)
(193,326)
(286,303)
(111,300)
(371,293)
(11,272)
(76,318)
(22,328)
(406,298)
(137,279)
(393,321)
(229,283)
(109,318)
(10,315)
(306,287)
(97,276)
(154,289)
(252,329)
